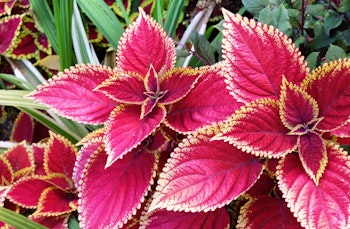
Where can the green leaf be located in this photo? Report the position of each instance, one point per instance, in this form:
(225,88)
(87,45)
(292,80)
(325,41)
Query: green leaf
(334,52)
(255,6)
(18,221)
(332,21)
(323,40)
(277,17)
(312,60)
(202,48)
(173,15)
(344,6)
(316,10)
(104,19)
(73,223)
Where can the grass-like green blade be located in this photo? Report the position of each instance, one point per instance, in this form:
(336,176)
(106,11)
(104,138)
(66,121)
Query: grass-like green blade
(158,11)
(173,15)
(104,19)
(18,221)
(125,14)
(45,18)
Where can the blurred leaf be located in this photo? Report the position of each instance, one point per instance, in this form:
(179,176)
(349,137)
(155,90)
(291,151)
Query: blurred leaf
(18,221)
(73,223)
(50,62)
(278,17)
(346,36)
(104,19)
(202,48)
(312,60)
(254,6)
(332,21)
(173,15)
(334,53)
(323,40)
(344,6)
(316,9)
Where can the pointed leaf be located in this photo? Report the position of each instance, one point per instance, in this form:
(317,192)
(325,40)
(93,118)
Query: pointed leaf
(38,153)
(177,83)
(59,156)
(71,94)
(21,161)
(109,196)
(218,219)
(6,172)
(208,102)
(145,43)
(325,205)
(125,130)
(296,106)
(313,155)
(151,82)
(250,49)
(204,175)
(124,87)
(256,214)
(26,192)
(54,202)
(9,30)
(23,128)
(256,128)
(329,85)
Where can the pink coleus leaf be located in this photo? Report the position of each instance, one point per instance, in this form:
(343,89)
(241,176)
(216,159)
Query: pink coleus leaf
(23,128)
(158,219)
(265,212)
(59,156)
(143,44)
(38,154)
(54,202)
(124,87)
(313,155)
(329,85)
(177,83)
(125,130)
(296,106)
(196,180)
(325,205)
(9,31)
(250,49)
(208,102)
(256,128)
(21,161)
(71,94)
(109,196)
(26,192)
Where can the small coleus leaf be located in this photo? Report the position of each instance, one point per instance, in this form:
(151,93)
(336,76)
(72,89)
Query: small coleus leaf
(204,175)
(161,218)
(109,196)
(59,156)
(54,202)
(9,30)
(296,107)
(6,171)
(23,128)
(329,85)
(21,160)
(26,192)
(249,51)
(177,83)
(325,205)
(256,214)
(256,128)
(125,130)
(208,102)
(313,155)
(71,93)
(136,50)
(24,47)
(124,87)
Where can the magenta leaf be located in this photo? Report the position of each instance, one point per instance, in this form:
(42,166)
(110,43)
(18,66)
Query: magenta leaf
(329,85)
(9,30)
(207,103)
(125,130)
(265,212)
(143,44)
(158,219)
(109,196)
(250,49)
(71,94)
(325,205)
(204,175)
(257,129)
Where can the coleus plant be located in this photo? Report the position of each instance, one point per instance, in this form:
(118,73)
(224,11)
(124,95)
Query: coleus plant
(143,104)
